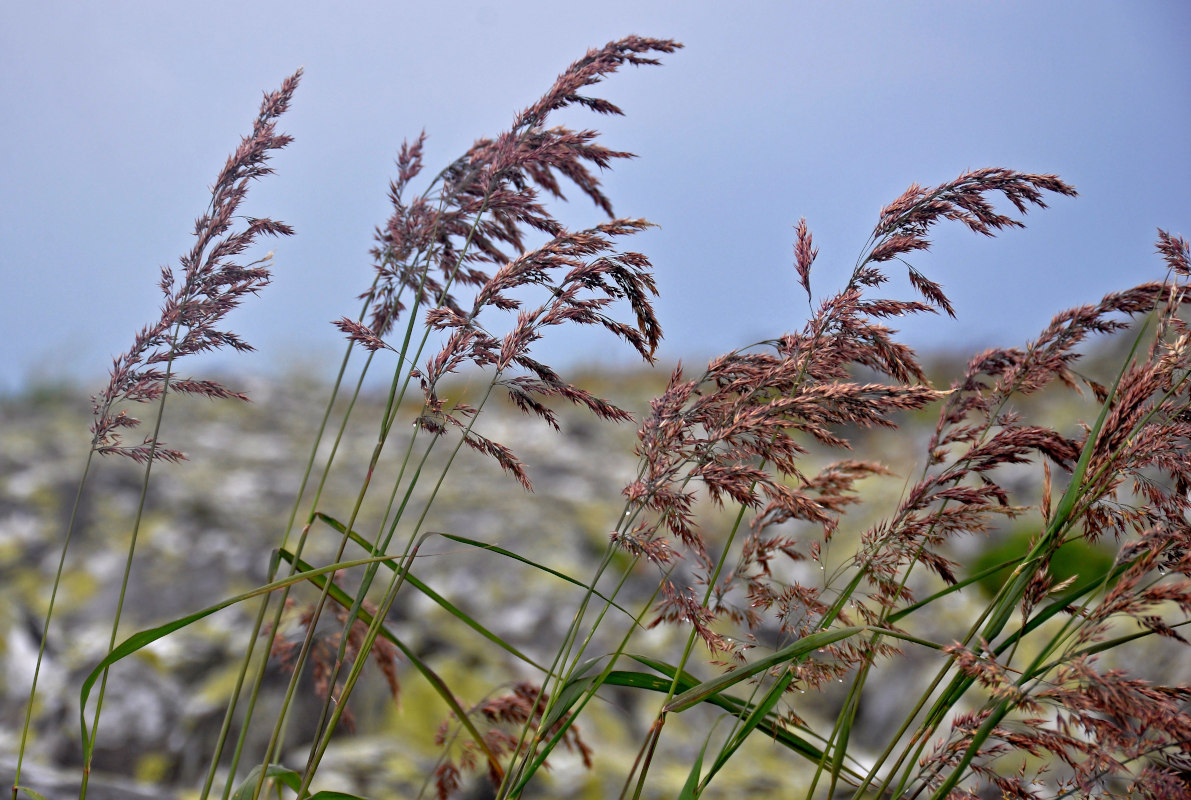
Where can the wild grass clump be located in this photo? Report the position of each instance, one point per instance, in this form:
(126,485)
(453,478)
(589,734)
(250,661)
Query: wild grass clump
(745,542)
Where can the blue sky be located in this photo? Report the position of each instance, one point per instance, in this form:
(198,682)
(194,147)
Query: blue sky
(117,117)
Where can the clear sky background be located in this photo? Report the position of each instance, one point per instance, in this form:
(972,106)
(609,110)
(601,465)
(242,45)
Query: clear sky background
(117,116)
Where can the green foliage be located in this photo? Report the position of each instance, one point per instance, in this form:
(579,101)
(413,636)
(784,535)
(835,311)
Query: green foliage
(1076,559)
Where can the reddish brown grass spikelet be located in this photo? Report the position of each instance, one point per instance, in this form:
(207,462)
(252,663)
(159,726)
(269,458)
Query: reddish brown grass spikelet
(486,200)
(580,293)
(325,651)
(361,334)
(1095,723)
(1174,252)
(904,222)
(502,713)
(804,255)
(479,209)
(212,285)
(734,432)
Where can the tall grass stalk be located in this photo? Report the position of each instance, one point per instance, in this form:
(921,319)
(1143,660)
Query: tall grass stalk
(740,531)
(212,285)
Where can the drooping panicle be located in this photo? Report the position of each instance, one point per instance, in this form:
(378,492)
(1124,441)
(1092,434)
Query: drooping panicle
(479,210)
(904,223)
(738,432)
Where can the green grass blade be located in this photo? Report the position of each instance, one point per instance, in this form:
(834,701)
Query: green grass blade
(951,589)
(756,716)
(360,540)
(443,602)
(580,683)
(771,726)
(690,789)
(30,792)
(287,776)
(797,650)
(142,639)
(290,779)
(840,743)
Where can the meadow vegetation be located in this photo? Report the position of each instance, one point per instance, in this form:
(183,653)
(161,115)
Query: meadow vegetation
(747,561)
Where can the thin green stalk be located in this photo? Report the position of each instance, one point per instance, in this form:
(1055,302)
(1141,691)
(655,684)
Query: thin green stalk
(259,676)
(357,605)
(258,623)
(393,401)
(396,398)
(382,610)
(529,764)
(136,528)
(688,648)
(564,652)
(49,615)
(563,724)
(561,656)
(924,697)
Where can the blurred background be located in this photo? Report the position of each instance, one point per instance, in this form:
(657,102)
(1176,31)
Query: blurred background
(119,115)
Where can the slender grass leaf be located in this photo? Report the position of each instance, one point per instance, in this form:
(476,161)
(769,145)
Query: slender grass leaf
(144,638)
(756,716)
(561,575)
(690,789)
(443,602)
(580,683)
(773,727)
(795,651)
(30,792)
(248,786)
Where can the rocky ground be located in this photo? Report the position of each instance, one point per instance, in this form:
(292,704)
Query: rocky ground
(208,529)
(209,526)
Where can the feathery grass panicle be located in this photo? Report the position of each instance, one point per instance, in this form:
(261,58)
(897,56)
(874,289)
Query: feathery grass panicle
(482,204)
(805,254)
(734,430)
(486,200)
(212,284)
